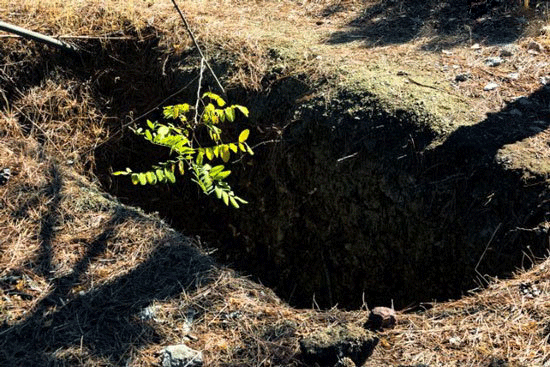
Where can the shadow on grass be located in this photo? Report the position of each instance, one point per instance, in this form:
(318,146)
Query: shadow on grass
(104,320)
(448,23)
(473,186)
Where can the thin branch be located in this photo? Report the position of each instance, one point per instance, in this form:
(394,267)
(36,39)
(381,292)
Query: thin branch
(199,94)
(107,38)
(35,36)
(197,46)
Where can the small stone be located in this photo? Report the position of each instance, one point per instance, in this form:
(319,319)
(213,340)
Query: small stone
(499,362)
(381,318)
(476,46)
(329,346)
(508,50)
(490,86)
(462,77)
(148,313)
(494,61)
(455,342)
(535,46)
(545,29)
(345,362)
(447,52)
(5,175)
(544,80)
(181,355)
(515,112)
(513,76)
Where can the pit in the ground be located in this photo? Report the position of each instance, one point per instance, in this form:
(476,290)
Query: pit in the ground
(350,202)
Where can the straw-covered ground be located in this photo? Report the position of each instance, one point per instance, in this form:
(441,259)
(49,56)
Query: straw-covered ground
(78,268)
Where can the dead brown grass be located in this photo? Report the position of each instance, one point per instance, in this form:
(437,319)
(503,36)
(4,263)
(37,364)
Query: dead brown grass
(77,267)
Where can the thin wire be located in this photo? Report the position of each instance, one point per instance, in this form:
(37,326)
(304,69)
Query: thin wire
(197,46)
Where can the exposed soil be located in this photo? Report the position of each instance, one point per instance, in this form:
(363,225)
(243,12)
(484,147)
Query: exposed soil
(371,202)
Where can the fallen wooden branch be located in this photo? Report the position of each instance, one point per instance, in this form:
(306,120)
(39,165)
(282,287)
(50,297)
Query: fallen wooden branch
(35,36)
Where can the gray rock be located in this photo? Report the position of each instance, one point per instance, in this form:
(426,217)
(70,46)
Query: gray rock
(535,46)
(5,175)
(332,345)
(499,362)
(345,362)
(148,313)
(181,356)
(494,61)
(490,86)
(508,50)
(381,318)
(462,77)
(513,76)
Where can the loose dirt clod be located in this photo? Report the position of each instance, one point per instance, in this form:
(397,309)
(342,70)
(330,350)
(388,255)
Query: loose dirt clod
(381,318)
(329,346)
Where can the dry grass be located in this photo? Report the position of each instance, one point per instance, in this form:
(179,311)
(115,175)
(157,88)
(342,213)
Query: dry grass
(77,267)
(508,321)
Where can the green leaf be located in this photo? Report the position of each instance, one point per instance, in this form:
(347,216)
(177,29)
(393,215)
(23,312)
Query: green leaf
(148,135)
(233,147)
(218,192)
(209,153)
(221,115)
(222,175)
(123,173)
(181,168)
(163,130)
(249,150)
(200,158)
(241,200)
(169,175)
(160,175)
(225,197)
(168,112)
(219,100)
(142,178)
(243,135)
(135,178)
(233,202)
(151,178)
(225,153)
(242,147)
(150,124)
(243,109)
(230,113)
(215,170)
